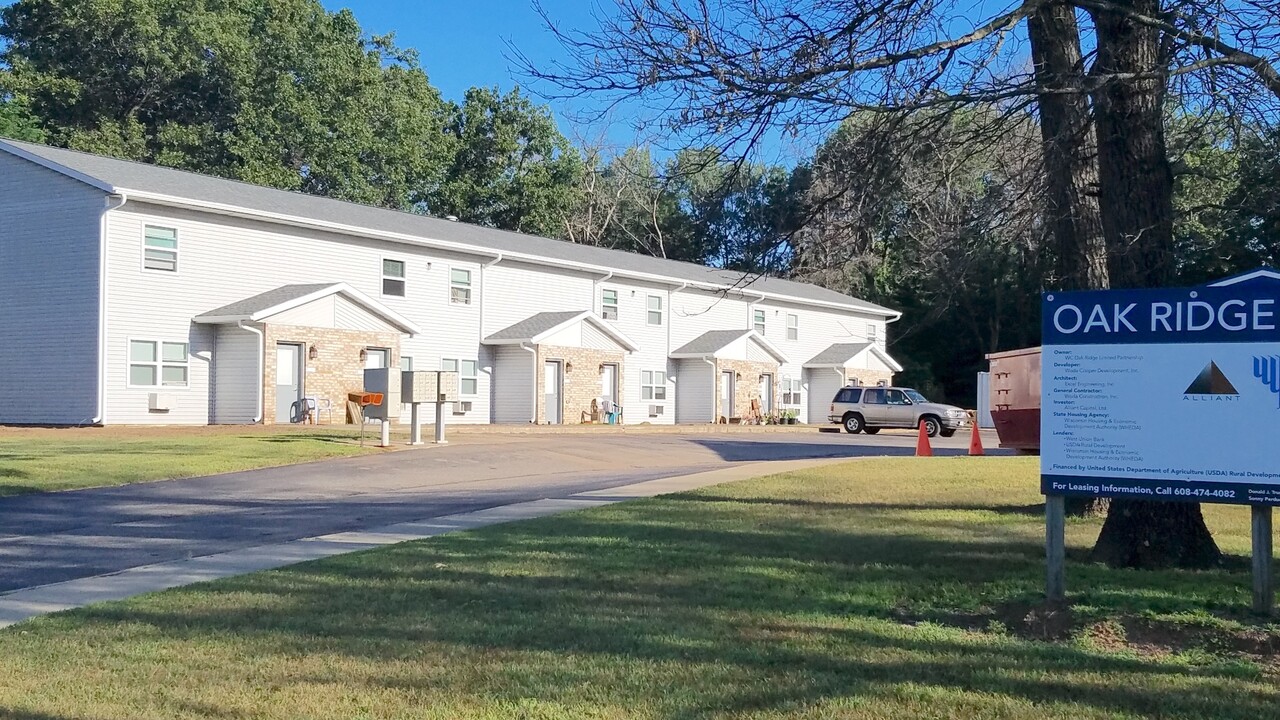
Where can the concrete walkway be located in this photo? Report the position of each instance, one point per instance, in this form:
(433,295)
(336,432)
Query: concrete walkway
(23,604)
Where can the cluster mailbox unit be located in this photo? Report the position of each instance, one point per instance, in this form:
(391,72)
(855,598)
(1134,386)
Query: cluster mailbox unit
(427,386)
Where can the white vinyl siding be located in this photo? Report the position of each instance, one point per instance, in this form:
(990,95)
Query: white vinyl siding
(213,275)
(695,386)
(503,294)
(160,249)
(824,383)
(237,376)
(513,385)
(49,264)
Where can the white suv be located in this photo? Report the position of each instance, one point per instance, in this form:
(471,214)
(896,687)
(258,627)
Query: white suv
(867,410)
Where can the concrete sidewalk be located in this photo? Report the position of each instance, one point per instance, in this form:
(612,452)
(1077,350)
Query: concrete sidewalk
(22,604)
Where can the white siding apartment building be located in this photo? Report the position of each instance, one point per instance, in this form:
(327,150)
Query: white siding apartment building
(136,294)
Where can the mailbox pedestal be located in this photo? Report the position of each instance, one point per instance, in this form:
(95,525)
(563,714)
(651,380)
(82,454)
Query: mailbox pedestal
(428,386)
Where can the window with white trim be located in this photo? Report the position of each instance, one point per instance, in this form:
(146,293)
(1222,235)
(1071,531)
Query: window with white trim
(609,304)
(160,249)
(872,332)
(793,327)
(156,363)
(653,385)
(654,306)
(790,392)
(393,278)
(406,363)
(460,286)
(757,321)
(468,374)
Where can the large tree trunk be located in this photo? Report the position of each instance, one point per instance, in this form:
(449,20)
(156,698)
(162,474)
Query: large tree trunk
(1136,199)
(1071,172)
(1070,149)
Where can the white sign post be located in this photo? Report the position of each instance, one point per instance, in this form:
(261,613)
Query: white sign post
(1162,395)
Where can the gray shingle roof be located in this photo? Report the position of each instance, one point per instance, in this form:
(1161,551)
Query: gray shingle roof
(708,343)
(533,326)
(124,175)
(264,301)
(838,354)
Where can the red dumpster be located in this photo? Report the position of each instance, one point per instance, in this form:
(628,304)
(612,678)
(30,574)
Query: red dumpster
(1015,398)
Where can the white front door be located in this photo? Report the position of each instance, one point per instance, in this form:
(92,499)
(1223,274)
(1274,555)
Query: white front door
(608,385)
(726,394)
(377,358)
(766,393)
(551,392)
(288,382)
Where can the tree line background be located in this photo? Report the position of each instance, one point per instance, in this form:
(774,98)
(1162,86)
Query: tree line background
(941,213)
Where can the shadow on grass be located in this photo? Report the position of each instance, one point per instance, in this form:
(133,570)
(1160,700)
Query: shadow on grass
(1036,510)
(799,612)
(311,437)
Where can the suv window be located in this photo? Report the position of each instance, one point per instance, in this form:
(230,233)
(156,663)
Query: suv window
(873,396)
(895,397)
(848,395)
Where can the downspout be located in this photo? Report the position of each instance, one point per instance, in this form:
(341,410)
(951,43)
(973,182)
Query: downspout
(715,387)
(533,409)
(107,207)
(262,361)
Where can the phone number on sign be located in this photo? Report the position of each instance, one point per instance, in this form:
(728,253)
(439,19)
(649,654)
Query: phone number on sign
(1196,492)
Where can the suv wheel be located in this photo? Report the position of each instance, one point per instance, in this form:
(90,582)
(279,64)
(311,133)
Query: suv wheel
(853,423)
(932,425)
(870,430)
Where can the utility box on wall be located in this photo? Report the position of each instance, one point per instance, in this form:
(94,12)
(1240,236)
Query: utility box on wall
(387,382)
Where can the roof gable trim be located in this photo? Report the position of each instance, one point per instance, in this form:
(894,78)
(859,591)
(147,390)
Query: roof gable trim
(55,167)
(369,304)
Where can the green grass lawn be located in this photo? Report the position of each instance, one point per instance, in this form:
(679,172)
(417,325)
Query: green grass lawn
(41,459)
(895,588)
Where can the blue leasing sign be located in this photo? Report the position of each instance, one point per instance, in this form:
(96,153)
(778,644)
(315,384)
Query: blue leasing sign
(1169,394)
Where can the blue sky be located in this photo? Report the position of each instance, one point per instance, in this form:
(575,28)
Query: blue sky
(464,44)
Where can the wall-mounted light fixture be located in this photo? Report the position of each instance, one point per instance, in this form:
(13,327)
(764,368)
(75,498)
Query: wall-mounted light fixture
(364,354)
(568,367)
(737,375)
(313,352)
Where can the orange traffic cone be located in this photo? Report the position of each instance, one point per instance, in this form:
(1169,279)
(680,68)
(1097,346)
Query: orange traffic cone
(975,442)
(923,448)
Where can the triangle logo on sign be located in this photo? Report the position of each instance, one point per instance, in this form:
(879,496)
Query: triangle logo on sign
(1211,381)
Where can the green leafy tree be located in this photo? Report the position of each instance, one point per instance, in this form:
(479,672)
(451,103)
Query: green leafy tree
(510,167)
(16,121)
(282,93)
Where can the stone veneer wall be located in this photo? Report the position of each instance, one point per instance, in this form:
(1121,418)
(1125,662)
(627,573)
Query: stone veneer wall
(336,371)
(868,378)
(581,383)
(747,387)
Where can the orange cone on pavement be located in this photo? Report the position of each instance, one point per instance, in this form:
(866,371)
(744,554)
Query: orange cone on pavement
(923,448)
(975,442)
